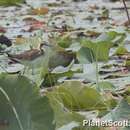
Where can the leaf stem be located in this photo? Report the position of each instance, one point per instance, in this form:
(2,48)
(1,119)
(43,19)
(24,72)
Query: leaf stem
(97,75)
(126,11)
(97,68)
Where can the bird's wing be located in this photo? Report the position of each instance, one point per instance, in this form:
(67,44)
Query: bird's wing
(27,55)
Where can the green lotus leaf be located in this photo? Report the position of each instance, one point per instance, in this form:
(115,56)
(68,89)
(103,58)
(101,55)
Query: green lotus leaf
(22,107)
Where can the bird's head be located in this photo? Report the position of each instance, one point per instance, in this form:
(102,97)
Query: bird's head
(44,46)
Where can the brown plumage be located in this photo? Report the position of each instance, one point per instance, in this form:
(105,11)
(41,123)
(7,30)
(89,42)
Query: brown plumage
(28,55)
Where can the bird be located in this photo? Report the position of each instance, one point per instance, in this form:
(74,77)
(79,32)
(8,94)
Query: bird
(30,58)
(47,55)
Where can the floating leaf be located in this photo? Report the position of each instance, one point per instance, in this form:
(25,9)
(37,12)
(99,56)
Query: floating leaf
(63,116)
(127,63)
(120,113)
(106,86)
(76,96)
(100,49)
(121,51)
(40,11)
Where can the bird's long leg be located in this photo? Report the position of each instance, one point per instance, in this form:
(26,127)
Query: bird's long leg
(32,67)
(24,70)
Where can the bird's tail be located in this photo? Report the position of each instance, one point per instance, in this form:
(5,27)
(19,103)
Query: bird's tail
(12,58)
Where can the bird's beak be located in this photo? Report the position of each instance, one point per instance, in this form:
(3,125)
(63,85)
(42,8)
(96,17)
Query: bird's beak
(46,44)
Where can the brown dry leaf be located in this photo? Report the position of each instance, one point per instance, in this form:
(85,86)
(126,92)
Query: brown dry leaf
(30,20)
(120,22)
(40,11)
(2,30)
(126,23)
(20,40)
